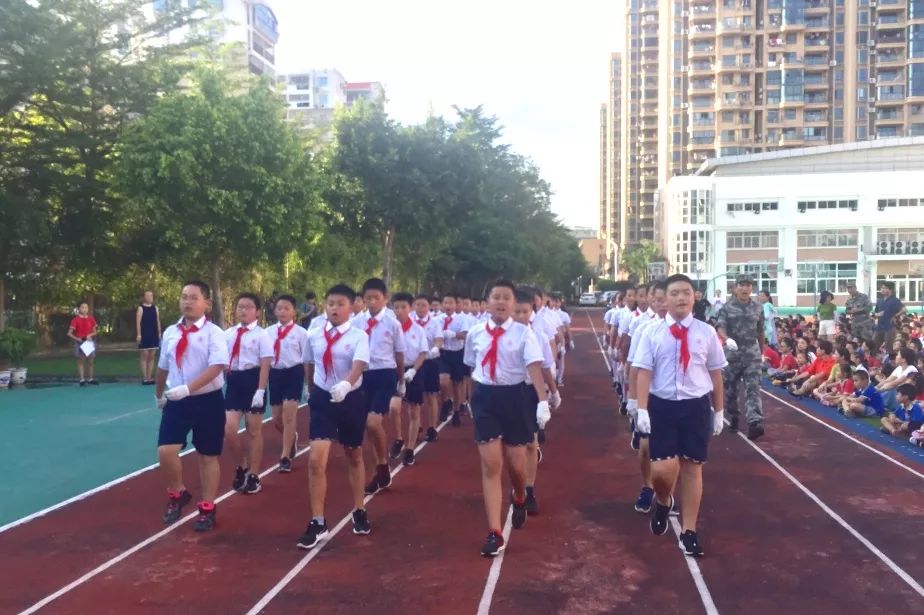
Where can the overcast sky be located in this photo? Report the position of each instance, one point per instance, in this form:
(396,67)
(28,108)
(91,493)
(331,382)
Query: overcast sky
(541,69)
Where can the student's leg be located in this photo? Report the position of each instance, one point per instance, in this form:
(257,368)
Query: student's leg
(276,413)
(691,493)
(80,372)
(254,422)
(492,462)
(515,460)
(171,466)
(232,438)
(90,360)
(532,461)
(317,475)
(289,419)
(413,412)
(458,392)
(430,399)
(209,472)
(644,461)
(376,432)
(445,387)
(664,475)
(394,412)
(357,472)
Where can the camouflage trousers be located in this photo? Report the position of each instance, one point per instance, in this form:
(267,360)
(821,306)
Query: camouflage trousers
(748,372)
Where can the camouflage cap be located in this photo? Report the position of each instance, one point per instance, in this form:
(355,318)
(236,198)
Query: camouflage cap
(744,279)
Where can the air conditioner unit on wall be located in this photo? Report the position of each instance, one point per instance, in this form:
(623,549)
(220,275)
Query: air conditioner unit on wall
(885,247)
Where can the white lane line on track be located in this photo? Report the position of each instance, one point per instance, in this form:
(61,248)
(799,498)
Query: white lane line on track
(484,605)
(313,552)
(103,487)
(904,576)
(692,565)
(122,416)
(845,434)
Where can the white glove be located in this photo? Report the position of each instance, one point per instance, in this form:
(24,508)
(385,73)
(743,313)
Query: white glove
(409,374)
(259,399)
(718,422)
(571,345)
(731,344)
(642,421)
(161,402)
(555,400)
(177,393)
(449,334)
(306,392)
(632,408)
(402,388)
(339,391)
(543,415)
(434,353)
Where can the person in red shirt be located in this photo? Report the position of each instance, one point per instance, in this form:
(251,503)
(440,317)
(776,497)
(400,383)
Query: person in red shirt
(771,358)
(806,382)
(83,329)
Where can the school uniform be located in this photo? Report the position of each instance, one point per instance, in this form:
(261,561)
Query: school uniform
(415,342)
(531,397)
(451,356)
(185,354)
(430,372)
(318,322)
(680,357)
(287,370)
(380,382)
(332,351)
(247,346)
(499,356)
(625,320)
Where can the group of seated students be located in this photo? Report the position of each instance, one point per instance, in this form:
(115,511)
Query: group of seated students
(850,374)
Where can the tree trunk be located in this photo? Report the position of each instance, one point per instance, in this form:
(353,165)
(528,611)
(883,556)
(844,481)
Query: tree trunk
(388,250)
(218,310)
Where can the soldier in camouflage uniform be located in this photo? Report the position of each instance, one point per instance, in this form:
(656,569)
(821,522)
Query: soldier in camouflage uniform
(742,319)
(858,308)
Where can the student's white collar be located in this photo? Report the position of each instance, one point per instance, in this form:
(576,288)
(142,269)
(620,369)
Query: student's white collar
(249,327)
(685,323)
(342,328)
(198,324)
(505,325)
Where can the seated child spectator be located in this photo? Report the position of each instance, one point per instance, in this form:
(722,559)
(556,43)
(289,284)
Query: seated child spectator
(904,367)
(770,359)
(787,360)
(866,401)
(908,415)
(804,383)
(832,394)
(802,365)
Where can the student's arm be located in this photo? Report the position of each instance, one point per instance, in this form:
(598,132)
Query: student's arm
(420,361)
(210,373)
(93,332)
(399,362)
(356,372)
(535,375)
(138,314)
(264,373)
(309,374)
(642,386)
(718,390)
(70,334)
(160,382)
(549,380)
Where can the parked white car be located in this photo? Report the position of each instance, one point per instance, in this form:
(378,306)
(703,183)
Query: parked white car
(588,299)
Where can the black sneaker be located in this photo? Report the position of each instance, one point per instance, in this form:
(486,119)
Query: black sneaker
(373,487)
(532,506)
(285,465)
(519,515)
(644,500)
(689,544)
(396,447)
(493,545)
(540,437)
(755,430)
(314,533)
(175,506)
(409,457)
(206,519)
(93,382)
(456,419)
(624,408)
(659,516)
(253,484)
(83,383)
(361,522)
(240,479)
(445,410)
(733,425)
(384,477)
(432,435)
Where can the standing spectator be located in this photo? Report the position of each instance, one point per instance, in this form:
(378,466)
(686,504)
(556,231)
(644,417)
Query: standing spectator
(887,308)
(309,309)
(147,334)
(717,303)
(701,306)
(858,308)
(769,317)
(83,329)
(826,310)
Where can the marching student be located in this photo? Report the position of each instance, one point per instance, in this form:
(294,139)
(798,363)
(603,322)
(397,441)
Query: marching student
(359,306)
(436,305)
(430,372)
(193,358)
(416,350)
(335,357)
(501,353)
(250,352)
(467,316)
(524,314)
(147,335)
(82,329)
(631,321)
(567,344)
(680,364)
(287,376)
(380,382)
(452,368)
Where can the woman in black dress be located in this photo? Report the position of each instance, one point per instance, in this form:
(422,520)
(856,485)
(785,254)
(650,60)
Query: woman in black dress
(147,328)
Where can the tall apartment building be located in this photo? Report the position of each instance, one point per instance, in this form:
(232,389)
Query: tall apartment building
(612,220)
(601,223)
(712,78)
(312,95)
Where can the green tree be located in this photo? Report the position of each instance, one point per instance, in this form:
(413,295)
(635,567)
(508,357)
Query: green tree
(635,259)
(221,181)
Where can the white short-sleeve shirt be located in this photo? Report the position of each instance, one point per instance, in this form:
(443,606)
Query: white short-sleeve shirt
(415,342)
(385,340)
(353,345)
(458,324)
(431,326)
(291,347)
(517,348)
(205,348)
(255,346)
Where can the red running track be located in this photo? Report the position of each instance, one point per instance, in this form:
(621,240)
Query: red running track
(770,548)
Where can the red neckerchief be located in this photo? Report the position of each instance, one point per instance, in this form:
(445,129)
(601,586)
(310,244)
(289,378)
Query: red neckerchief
(281,334)
(490,357)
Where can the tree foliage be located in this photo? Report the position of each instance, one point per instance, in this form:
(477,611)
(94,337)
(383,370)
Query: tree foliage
(635,259)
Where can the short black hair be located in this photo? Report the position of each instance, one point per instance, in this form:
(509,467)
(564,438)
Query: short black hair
(252,296)
(288,298)
(451,295)
(434,298)
(406,297)
(915,342)
(202,286)
(788,341)
(521,295)
(341,290)
(556,295)
(907,389)
(862,373)
(889,285)
(825,345)
(425,298)
(908,355)
(503,283)
(375,284)
(678,278)
(659,285)
(309,296)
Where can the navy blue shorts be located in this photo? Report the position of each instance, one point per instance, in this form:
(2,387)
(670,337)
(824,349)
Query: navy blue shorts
(452,365)
(344,422)
(531,400)
(379,386)
(241,387)
(679,428)
(498,412)
(414,390)
(286,384)
(204,415)
(431,376)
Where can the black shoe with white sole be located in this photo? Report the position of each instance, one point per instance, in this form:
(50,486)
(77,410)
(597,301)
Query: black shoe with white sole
(396,447)
(659,517)
(253,484)
(432,435)
(240,479)
(285,465)
(493,545)
(689,544)
(361,524)
(519,515)
(409,457)
(314,534)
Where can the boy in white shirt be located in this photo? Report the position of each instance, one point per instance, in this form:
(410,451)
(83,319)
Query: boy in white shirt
(430,372)
(416,352)
(287,376)
(452,369)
